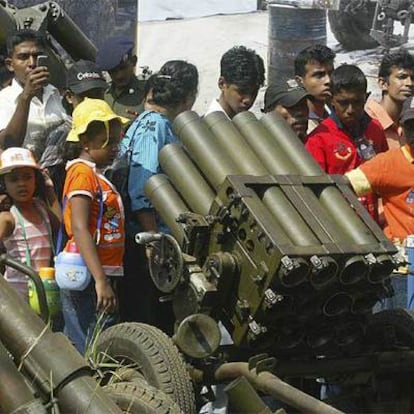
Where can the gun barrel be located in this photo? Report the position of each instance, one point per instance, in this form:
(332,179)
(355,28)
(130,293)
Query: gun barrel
(186,178)
(167,202)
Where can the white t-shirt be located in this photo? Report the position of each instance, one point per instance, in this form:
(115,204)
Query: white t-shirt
(215,107)
(44,116)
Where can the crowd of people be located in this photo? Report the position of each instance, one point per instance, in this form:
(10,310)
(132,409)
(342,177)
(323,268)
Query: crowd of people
(56,145)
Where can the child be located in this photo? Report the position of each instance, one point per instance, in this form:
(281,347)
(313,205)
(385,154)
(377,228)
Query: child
(241,76)
(26,230)
(348,137)
(168,93)
(98,130)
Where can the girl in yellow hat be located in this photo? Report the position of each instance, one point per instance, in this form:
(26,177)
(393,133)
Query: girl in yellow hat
(93,217)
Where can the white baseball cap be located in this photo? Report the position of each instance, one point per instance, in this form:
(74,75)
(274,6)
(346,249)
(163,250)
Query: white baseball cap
(16,157)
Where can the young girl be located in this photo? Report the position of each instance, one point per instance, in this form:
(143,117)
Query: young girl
(168,93)
(26,230)
(89,198)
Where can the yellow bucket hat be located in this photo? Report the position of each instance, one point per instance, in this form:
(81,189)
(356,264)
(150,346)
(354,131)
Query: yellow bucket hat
(90,110)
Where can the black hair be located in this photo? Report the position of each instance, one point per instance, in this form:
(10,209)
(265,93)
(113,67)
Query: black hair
(401,59)
(242,67)
(24,35)
(173,84)
(314,53)
(40,185)
(348,77)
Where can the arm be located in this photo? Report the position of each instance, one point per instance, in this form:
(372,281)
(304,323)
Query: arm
(15,131)
(6,225)
(80,211)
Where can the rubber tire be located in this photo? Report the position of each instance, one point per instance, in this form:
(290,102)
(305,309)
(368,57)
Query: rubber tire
(352,31)
(158,359)
(140,398)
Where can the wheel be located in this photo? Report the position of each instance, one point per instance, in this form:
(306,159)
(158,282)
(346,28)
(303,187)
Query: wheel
(141,398)
(151,353)
(351,29)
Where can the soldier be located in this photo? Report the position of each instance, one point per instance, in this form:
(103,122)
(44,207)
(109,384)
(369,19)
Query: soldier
(396,80)
(241,76)
(30,106)
(289,100)
(313,68)
(126,92)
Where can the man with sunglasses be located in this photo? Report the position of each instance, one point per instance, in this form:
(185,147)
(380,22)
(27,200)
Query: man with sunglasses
(126,91)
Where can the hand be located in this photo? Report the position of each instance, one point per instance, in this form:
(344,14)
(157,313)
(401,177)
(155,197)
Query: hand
(105,296)
(35,81)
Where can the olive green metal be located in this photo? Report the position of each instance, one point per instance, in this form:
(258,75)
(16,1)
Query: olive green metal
(69,35)
(167,202)
(186,178)
(278,162)
(49,359)
(199,142)
(15,393)
(233,144)
(205,150)
(230,141)
(243,399)
(340,211)
(198,336)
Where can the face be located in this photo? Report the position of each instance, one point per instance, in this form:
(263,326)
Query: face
(20,184)
(317,80)
(349,107)
(23,60)
(123,73)
(235,99)
(296,116)
(102,150)
(399,85)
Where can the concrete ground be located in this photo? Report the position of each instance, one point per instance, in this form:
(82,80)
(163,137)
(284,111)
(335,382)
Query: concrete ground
(202,41)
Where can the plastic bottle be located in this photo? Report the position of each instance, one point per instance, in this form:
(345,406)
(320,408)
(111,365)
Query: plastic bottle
(71,270)
(47,274)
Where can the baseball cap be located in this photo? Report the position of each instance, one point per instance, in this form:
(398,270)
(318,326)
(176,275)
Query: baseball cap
(114,51)
(16,157)
(90,110)
(407,112)
(83,76)
(286,93)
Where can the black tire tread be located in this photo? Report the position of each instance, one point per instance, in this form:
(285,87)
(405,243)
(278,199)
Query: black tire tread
(141,398)
(169,373)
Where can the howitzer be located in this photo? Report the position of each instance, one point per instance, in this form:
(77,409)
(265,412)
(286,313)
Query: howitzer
(283,255)
(284,250)
(51,371)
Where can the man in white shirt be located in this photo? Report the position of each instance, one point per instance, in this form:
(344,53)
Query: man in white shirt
(30,107)
(241,76)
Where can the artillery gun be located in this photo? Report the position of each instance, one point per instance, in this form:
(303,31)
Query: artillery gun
(284,257)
